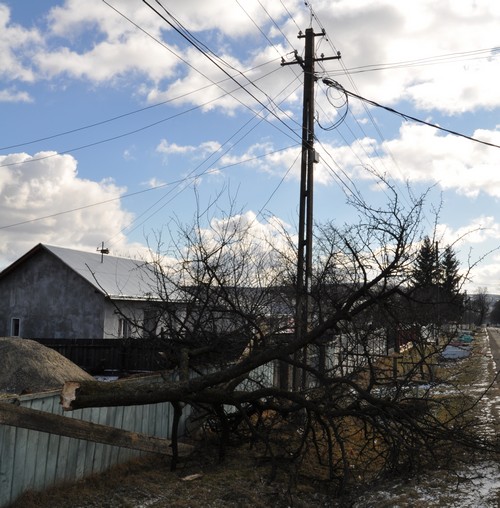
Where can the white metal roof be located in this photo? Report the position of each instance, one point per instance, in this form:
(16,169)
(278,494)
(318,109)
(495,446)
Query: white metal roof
(114,276)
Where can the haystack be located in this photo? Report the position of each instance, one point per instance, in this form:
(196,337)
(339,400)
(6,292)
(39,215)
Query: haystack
(28,367)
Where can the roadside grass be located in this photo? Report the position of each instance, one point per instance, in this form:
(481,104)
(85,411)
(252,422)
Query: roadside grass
(472,479)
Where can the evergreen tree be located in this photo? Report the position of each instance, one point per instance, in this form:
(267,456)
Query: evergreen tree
(450,300)
(425,278)
(436,285)
(426,271)
(450,278)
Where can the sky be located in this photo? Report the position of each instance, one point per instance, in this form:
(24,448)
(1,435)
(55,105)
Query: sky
(115,127)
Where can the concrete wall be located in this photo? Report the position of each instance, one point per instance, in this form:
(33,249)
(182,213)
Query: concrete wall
(50,300)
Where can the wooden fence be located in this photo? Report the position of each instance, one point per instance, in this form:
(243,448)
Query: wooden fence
(33,460)
(98,356)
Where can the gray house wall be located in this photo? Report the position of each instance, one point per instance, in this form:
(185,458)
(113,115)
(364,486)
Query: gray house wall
(51,301)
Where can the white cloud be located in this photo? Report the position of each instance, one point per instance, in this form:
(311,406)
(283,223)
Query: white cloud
(368,33)
(479,230)
(261,243)
(204,84)
(109,60)
(12,95)
(31,189)
(172,148)
(94,42)
(487,275)
(16,43)
(264,157)
(153,182)
(424,155)
(476,244)
(128,154)
(204,149)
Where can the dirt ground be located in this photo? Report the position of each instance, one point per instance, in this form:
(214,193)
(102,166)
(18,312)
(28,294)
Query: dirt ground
(200,481)
(241,481)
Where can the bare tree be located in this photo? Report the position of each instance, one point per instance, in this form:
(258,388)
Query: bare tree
(480,305)
(224,315)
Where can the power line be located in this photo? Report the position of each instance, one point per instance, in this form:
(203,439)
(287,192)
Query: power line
(344,184)
(290,15)
(181,30)
(128,133)
(276,24)
(136,111)
(185,34)
(271,43)
(257,115)
(132,194)
(360,126)
(119,136)
(106,140)
(478,54)
(338,86)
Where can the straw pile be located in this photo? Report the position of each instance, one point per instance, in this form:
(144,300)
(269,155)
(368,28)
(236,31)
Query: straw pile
(28,367)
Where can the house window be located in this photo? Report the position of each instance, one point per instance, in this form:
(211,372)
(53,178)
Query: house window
(123,329)
(15,327)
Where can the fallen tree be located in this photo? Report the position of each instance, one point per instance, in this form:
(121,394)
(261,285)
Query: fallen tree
(224,313)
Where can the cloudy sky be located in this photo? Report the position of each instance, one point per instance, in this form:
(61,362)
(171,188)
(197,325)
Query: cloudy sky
(113,123)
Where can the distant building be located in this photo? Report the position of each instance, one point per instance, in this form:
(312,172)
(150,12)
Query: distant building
(54,292)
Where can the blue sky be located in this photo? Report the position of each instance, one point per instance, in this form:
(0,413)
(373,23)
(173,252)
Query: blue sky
(103,102)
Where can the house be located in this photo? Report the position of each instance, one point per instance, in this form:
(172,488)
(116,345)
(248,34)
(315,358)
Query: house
(55,292)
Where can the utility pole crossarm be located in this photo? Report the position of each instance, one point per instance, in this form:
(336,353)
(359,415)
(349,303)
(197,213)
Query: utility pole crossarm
(299,60)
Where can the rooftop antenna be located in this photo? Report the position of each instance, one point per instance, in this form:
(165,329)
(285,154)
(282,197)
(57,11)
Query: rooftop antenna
(103,250)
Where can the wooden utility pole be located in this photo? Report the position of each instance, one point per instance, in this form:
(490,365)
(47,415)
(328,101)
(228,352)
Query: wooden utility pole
(309,158)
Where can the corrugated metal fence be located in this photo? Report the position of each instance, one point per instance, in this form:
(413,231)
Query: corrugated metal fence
(32,460)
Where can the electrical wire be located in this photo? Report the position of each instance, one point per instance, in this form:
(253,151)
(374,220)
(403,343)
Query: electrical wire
(344,106)
(178,27)
(136,111)
(271,43)
(374,124)
(150,189)
(186,36)
(479,54)
(184,33)
(276,24)
(338,86)
(290,15)
(103,141)
(257,115)
(128,133)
